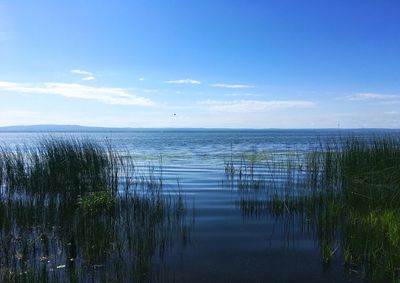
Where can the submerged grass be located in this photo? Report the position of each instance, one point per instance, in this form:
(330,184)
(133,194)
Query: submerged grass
(75,211)
(96,202)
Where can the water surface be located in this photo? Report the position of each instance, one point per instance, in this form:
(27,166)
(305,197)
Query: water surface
(225,244)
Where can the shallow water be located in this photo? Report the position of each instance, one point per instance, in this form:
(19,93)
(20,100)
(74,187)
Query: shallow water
(225,244)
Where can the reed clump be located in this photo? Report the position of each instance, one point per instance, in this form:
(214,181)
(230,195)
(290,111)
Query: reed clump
(68,167)
(346,191)
(264,172)
(354,203)
(75,211)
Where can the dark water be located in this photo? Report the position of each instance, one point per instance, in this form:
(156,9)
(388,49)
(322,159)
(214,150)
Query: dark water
(225,244)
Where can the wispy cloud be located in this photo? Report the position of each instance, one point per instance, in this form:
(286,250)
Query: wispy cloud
(254,105)
(183,81)
(372,96)
(240,94)
(141,79)
(87,76)
(106,95)
(232,85)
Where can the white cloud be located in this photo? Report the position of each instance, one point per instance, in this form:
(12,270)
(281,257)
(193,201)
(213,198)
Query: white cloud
(184,81)
(141,79)
(372,96)
(106,95)
(150,90)
(254,105)
(232,86)
(240,94)
(87,76)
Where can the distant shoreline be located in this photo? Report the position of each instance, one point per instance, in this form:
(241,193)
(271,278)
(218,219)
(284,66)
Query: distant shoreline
(83,129)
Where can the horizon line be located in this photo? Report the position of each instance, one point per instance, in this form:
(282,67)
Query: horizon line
(121,128)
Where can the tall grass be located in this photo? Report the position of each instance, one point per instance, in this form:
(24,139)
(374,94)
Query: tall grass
(264,172)
(354,203)
(66,166)
(347,191)
(75,211)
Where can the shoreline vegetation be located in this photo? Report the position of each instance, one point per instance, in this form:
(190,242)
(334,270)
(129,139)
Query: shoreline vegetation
(346,192)
(75,210)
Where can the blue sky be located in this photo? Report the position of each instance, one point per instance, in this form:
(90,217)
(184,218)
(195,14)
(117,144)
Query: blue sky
(220,63)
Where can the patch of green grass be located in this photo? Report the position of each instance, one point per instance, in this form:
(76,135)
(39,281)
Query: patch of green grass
(372,241)
(97,202)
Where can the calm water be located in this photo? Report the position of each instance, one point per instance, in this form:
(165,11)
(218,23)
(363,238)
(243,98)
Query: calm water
(225,244)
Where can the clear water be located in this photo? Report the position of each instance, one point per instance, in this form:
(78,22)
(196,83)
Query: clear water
(225,245)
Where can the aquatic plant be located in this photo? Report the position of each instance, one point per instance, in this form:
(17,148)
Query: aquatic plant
(347,191)
(64,217)
(354,204)
(96,202)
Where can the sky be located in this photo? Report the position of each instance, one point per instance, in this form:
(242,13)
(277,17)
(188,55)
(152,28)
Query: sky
(208,63)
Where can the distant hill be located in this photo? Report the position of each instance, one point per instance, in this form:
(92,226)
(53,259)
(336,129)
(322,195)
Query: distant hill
(77,128)
(60,128)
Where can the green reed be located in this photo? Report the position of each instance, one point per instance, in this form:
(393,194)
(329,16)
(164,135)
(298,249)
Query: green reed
(66,166)
(75,211)
(274,172)
(349,195)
